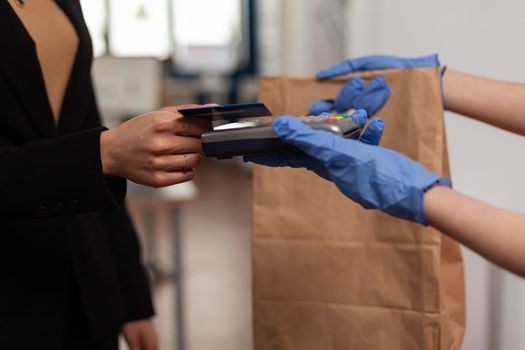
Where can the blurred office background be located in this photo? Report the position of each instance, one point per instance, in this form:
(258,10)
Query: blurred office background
(196,236)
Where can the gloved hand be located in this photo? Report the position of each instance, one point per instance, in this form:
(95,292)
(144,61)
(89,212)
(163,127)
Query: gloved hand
(355,94)
(372,101)
(368,63)
(374,177)
(374,130)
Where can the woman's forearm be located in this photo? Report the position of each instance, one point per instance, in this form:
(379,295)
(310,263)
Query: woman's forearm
(498,103)
(496,234)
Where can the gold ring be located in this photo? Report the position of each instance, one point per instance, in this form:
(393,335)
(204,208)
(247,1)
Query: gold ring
(187,166)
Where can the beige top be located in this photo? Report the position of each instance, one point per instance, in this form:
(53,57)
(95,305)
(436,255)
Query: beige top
(56,45)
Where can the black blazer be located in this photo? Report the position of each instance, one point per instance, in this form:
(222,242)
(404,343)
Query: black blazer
(62,223)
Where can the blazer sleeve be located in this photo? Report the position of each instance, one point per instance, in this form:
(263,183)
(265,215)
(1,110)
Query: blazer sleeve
(133,279)
(125,246)
(56,177)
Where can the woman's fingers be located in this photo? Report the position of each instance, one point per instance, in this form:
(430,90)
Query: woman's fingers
(170,120)
(182,144)
(171,144)
(177,162)
(169,170)
(191,126)
(166,178)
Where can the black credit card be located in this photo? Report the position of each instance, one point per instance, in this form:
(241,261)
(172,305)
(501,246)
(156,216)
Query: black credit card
(228,112)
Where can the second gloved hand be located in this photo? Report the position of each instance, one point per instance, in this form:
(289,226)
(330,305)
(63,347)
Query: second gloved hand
(372,101)
(357,95)
(374,177)
(368,63)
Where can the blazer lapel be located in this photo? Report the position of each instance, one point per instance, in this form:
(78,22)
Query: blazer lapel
(20,65)
(77,97)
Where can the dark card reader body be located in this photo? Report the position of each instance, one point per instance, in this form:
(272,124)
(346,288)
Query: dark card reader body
(262,139)
(249,134)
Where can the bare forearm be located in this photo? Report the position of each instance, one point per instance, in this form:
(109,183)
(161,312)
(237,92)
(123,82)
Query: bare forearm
(496,234)
(498,103)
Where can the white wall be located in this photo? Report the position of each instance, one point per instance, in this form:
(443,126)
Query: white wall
(483,37)
(299,36)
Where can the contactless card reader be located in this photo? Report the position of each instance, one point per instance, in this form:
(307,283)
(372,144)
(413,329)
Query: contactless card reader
(249,134)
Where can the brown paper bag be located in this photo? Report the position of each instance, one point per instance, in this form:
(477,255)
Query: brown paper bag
(329,274)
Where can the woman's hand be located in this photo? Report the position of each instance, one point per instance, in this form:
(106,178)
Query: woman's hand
(156,149)
(141,335)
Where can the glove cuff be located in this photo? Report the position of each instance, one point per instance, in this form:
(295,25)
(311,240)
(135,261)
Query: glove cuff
(431,61)
(420,216)
(442,76)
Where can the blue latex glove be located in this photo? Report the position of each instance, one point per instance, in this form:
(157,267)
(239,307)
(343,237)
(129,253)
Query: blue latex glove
(373,131)
(357,95)
(368,63)
(374,177)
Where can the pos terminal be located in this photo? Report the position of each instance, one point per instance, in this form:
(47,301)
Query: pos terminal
(245,129)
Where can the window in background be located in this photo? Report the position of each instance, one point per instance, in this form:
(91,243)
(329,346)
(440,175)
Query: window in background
(139,28)
(96,18)
(208,35)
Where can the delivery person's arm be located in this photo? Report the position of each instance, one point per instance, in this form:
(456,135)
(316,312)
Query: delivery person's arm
(498,103)
(497,234)
(494,102)
(379,178)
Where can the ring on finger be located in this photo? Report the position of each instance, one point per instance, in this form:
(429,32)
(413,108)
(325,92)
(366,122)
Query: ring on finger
(187,165)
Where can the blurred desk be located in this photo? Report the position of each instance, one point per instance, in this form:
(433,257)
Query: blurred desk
(157,213)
